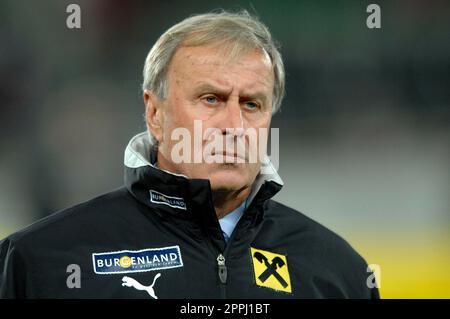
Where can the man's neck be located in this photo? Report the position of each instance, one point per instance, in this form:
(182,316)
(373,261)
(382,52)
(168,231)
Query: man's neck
(227,201)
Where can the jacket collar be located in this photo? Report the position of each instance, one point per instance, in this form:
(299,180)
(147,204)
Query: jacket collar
(172,191)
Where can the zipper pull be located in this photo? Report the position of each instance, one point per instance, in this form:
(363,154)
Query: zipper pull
(222,269)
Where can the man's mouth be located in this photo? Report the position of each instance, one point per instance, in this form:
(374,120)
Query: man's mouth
(229,157)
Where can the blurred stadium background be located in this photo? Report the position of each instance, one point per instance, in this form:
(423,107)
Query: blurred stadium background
(364,129)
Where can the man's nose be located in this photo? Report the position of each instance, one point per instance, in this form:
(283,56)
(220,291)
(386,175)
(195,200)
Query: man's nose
(233,118)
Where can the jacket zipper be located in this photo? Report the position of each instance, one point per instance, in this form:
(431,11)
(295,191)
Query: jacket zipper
(222,268)
(221,262)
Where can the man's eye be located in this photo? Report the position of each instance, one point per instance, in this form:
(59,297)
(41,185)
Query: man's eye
(251,105)
(211,99)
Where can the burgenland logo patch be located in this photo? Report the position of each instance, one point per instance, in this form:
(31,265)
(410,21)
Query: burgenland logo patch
(128,261)
(175,202)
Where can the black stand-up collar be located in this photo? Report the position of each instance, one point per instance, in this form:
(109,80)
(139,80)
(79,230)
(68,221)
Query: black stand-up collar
(178,195)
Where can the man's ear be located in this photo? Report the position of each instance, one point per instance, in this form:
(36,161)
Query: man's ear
(154,114)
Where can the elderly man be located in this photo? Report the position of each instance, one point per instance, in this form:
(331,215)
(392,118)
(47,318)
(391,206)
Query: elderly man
(195,221)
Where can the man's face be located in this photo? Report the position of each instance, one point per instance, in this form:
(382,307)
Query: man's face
(223,94)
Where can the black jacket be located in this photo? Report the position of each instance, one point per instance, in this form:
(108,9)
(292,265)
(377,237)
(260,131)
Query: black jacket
(159,237)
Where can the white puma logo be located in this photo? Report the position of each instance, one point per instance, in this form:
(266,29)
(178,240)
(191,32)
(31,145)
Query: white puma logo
(130,282)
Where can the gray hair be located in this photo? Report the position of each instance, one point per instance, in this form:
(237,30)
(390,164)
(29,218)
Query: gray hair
(240,32)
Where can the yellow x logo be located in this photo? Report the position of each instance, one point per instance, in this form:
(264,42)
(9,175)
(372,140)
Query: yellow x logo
(271,270)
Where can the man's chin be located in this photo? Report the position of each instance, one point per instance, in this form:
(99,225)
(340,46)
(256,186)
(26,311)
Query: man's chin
(226,177)
(228,181)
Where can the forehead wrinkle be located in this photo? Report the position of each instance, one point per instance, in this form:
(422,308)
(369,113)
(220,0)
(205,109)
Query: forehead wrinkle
(216,62)
(219,56)
(245,77)
(203,85)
